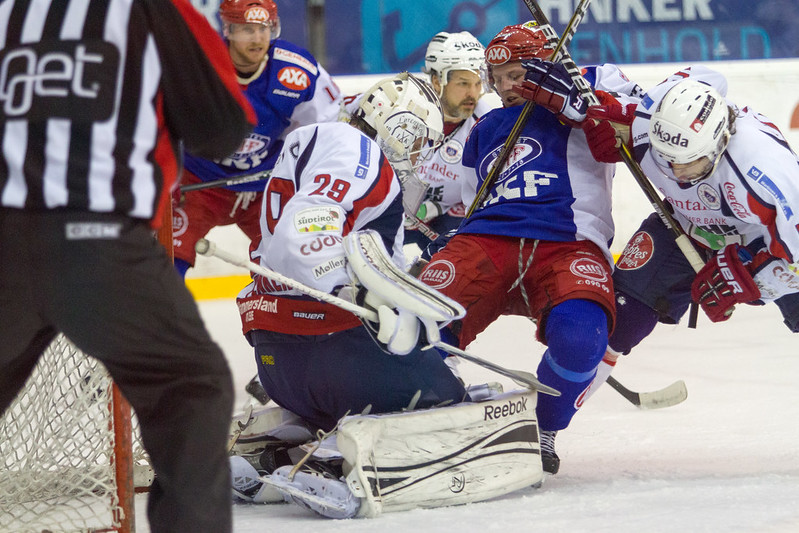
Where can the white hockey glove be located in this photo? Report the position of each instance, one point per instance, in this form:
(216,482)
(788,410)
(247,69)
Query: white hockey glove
(398,329)
(405,306)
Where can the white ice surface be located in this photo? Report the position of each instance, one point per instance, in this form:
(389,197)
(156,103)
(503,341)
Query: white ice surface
(725,460)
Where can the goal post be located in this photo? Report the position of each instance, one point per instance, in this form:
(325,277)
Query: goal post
(68,451)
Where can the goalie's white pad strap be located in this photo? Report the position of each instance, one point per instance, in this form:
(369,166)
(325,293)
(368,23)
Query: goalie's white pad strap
(269,423)
(451,455)
(370,263)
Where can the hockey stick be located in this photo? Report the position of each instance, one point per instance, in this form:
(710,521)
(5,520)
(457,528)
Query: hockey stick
(208,248)
(227,182)
(587,93)
(658,399)
(513,136)
(423,228)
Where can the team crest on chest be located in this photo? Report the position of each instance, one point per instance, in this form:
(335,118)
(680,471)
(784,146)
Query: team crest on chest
(709,196)
(526,150)
(452,151)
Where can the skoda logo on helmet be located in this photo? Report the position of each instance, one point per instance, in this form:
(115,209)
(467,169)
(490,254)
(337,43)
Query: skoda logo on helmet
(669,138)
(256,15)
(497,54)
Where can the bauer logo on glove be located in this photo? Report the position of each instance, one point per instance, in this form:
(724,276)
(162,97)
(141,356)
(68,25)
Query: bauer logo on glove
(723,282)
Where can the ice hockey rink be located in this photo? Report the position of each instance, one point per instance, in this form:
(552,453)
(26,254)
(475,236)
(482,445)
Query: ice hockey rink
(725,460)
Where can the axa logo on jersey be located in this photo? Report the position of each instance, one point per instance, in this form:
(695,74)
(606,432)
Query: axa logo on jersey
(64,80)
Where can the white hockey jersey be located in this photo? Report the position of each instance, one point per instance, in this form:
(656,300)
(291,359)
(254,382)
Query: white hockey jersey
(330,179)
(752,198)
(444,171)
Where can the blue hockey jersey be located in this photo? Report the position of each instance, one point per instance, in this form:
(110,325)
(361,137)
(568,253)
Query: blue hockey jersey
(551,188)
(292,90)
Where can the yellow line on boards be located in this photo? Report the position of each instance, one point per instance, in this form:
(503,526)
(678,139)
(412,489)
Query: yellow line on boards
(217,287)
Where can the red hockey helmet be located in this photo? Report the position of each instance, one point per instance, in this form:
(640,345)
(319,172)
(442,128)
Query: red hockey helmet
(515,43)
(251,12)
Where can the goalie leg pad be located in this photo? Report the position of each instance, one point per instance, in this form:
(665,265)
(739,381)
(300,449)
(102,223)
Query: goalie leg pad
(444,456)
(269,424)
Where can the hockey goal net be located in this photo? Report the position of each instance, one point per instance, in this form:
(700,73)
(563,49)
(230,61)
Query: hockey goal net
(71,458)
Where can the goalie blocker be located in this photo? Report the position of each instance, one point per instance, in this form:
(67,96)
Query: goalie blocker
(464,453)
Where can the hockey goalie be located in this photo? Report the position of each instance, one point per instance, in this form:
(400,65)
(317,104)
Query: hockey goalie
(399,428)
(372,463)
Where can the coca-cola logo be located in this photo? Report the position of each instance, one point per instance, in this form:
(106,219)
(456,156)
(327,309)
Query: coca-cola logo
(737,207)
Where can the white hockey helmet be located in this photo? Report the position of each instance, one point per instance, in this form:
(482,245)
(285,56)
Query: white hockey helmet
(689,131)
(453,51)
(406,114)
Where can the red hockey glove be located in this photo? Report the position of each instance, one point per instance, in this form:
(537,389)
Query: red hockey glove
(550,85)
(607,126)
(723,282)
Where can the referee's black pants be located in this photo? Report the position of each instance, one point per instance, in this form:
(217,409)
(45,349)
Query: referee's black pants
(106,283)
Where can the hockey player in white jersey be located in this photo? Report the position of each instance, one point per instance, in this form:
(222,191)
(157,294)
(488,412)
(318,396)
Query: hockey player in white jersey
(733,183)
(332,179)
(454,62)
(333,185)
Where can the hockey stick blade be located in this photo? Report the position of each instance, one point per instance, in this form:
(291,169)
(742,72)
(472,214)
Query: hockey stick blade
(525,379)
(674,394)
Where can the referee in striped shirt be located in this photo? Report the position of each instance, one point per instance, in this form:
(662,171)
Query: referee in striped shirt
(96,97)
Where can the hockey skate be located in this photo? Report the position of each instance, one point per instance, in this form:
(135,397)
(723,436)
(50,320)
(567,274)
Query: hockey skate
(247,483)
(315,489)
(549,459)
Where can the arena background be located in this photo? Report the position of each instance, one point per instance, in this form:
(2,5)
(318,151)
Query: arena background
(362,41)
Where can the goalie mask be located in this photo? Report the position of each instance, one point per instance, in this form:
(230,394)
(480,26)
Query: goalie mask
(689,131)
(262,12)
(453,51)
(407,116)
(517,43)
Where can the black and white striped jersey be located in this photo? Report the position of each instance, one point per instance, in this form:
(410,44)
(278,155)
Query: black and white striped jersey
(96,97)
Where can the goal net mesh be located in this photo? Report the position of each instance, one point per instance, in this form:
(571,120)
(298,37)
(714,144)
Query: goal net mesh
(57,448)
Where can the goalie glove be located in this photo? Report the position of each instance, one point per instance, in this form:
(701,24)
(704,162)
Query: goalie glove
(396,330)
(404,305)
(607,126)
(549,85)
(723,282)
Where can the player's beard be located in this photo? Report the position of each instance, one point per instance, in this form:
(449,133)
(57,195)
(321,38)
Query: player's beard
(249,58)
(460,111)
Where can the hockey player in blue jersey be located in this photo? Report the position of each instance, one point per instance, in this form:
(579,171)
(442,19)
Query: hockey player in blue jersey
(287,88)
(538,245)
